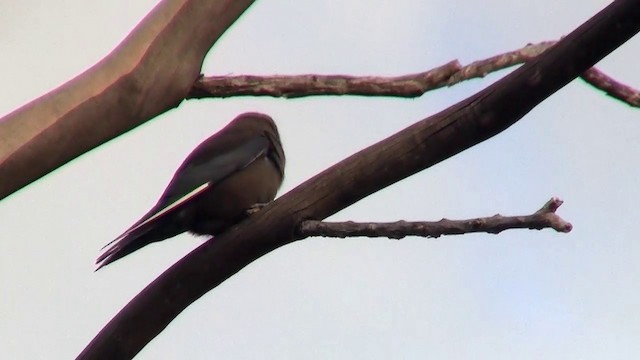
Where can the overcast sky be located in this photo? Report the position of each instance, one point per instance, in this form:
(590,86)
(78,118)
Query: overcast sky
(518,295)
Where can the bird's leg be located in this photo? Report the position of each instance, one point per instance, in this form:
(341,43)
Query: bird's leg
(255,208)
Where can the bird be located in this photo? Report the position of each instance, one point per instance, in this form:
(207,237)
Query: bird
(230,175)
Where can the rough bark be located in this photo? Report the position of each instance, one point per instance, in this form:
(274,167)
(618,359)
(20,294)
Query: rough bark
(544,218)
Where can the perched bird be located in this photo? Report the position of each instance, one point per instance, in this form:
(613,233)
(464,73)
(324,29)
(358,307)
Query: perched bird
(218,184)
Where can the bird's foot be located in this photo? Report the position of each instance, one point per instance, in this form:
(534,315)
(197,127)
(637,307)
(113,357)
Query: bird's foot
(255,208)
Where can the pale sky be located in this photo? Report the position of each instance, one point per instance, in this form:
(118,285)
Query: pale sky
(518,295)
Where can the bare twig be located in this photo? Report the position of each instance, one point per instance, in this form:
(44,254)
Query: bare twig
(409,86)
(544,218)
(613,88)
(480,68)
(292,86)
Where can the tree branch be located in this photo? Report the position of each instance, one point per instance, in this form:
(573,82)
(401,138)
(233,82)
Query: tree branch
(409,86)
(546,217)
(415,148)
(613,88)
(140,79)
(292,86)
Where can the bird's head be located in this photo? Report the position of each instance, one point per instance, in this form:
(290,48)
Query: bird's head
(253,122)
(256,123)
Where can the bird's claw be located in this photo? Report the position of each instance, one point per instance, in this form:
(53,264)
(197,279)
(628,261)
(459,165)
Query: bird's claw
(255,208)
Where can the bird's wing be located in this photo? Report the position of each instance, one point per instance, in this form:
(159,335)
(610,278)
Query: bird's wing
(192,179)
(122,245)
(196,175)
(201,169)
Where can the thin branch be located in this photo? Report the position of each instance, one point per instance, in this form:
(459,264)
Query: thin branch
(544,218)
(409,86)
(292,86)
(613,88)
(481,68)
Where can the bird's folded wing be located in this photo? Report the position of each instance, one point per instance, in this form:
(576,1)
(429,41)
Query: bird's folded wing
(192,180)
(213,168)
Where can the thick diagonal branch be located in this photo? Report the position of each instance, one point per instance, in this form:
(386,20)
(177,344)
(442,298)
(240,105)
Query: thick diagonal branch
(415,148)
(545,218)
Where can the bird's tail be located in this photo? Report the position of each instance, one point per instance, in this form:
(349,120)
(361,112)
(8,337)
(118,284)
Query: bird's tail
(123,245)
(132,240)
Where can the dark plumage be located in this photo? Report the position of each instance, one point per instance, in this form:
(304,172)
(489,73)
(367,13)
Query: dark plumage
(240,166)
